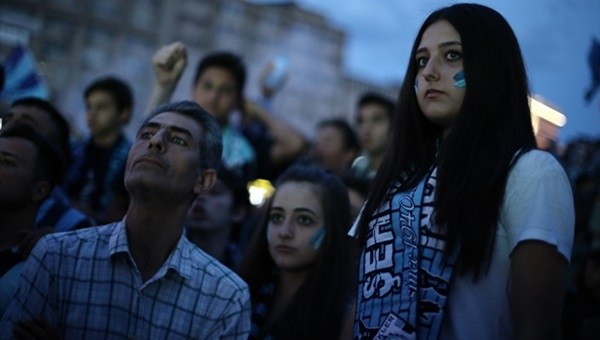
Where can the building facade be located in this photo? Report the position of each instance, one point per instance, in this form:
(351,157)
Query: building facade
(76,41)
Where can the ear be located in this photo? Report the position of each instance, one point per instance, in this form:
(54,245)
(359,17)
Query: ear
(205,181)
(40,191)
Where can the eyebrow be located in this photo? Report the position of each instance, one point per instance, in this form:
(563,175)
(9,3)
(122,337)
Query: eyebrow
(169,128)
(296,210)
(444,44)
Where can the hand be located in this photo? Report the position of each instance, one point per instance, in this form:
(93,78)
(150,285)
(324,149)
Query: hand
(38,328)
(169,62)
(269,90)
(30,238)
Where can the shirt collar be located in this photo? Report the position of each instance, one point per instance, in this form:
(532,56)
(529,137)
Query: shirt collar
(180,260)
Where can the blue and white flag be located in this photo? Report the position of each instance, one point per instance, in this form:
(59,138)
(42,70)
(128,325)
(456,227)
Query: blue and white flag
(21,77)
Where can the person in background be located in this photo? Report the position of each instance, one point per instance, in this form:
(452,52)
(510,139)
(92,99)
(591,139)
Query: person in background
(335,145)
(215,219)
(277,143)
(95,179)
(296,264)
(56,211)
(468,228)
(581,317)
(218,87)
(373,121)
(29,168)
(139,277)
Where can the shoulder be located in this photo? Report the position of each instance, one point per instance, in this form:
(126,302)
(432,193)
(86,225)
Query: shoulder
(538,203)
(211,274)
(537,160)
(76,241)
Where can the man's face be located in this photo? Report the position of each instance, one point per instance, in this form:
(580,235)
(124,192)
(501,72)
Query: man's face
(373,126)
(165,156)
(17,177)
(213,210)
(215,91)
(36,118)
(103,115)
(329,151)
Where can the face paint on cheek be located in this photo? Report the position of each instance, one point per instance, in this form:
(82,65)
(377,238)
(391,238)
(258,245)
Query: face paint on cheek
(317,238)
(416,85)
(459,80)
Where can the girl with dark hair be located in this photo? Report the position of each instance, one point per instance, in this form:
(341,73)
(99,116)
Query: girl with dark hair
(296,265)
(463,208)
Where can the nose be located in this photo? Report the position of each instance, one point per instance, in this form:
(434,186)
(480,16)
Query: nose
(157,143)
(430,71)
(286,230)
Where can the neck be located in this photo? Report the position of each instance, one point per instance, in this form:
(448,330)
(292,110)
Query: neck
(13,223)
(289,282)
(213,242)
(376,159)
(153,230)
(107,140)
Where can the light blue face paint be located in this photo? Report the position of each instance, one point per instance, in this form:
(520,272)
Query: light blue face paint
(459,80)
(317,238)
(416,85)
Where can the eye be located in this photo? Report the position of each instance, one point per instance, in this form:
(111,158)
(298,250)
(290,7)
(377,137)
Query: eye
(453,55)
(179,141)
(8,162)
(421,61)
(305,220)
(276,218)
(225,91)
(145,135)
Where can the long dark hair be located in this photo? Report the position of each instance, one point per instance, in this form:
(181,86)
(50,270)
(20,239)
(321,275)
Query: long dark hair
(318,307)
(473,160)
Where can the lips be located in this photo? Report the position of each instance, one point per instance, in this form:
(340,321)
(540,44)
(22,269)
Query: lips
(285,249)
(151,160)
(432,93)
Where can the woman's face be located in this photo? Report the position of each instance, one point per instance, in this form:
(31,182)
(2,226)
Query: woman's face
(440,83)
(295,225)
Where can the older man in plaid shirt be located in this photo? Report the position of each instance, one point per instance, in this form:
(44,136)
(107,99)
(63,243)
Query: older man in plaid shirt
(140,277)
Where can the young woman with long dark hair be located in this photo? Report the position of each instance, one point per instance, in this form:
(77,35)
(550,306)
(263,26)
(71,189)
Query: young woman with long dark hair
(467,231)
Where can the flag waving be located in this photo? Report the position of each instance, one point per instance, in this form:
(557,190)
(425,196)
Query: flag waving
(21,76)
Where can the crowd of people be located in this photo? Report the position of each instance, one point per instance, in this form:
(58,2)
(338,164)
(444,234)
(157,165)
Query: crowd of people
(434,215)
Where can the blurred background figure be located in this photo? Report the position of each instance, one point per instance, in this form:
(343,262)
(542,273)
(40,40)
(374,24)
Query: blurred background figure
(297,264)
(277,143)
(335,145)
(94,182)
(29,168)
(581,314)
(218,86)
(56,212)
(215,219)
(373,121)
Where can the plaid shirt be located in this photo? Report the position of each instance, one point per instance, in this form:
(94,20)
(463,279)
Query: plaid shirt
(85,283)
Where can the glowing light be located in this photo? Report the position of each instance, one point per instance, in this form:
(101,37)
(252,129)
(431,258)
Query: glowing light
(544,111)
(260,190)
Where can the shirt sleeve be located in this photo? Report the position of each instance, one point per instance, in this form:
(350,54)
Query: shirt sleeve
(34,296)
(538,203)
(234,323)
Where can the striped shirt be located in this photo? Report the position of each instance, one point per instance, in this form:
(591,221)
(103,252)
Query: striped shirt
(86,284)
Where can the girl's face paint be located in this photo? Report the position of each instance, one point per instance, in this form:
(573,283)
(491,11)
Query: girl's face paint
(317,238)
(459,80)
(416,85)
